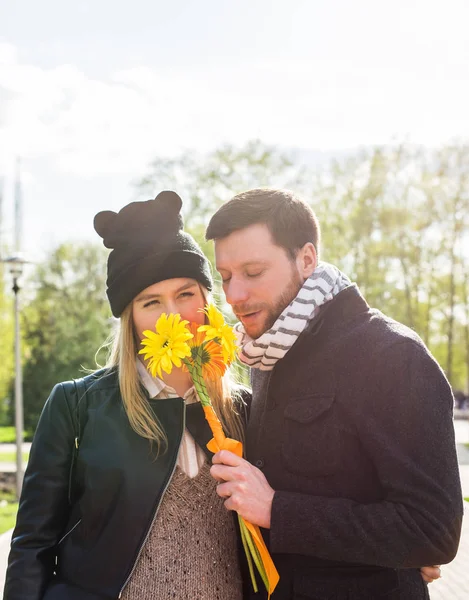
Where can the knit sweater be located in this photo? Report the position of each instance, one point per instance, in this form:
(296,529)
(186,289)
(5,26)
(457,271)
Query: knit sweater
(191,549)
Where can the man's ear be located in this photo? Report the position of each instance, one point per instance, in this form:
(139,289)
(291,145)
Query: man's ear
(307,260)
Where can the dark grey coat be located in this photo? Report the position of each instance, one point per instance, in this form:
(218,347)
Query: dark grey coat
(353,429)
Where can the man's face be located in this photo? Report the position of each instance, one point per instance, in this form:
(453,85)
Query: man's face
(259,278)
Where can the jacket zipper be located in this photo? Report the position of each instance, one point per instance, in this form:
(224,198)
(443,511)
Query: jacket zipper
(68,532)
(156,508)
(62,539)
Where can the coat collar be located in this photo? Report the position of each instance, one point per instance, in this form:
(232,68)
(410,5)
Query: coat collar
(347,304)
(332,318)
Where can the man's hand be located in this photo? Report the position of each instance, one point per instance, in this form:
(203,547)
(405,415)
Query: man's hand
(429,574)
(244,486)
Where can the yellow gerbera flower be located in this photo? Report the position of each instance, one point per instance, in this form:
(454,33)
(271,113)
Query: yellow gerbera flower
(208,353)
(168,346)
(219,331)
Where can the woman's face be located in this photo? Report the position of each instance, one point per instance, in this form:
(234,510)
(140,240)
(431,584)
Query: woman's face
(181,295)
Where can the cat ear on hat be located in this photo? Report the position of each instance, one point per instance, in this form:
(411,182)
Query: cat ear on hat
(139,221)
(166,208)
(103,224)
(170,199)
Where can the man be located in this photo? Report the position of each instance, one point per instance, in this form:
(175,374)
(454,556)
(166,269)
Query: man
(352,467)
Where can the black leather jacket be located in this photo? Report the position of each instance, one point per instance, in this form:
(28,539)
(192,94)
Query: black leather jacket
(87,550)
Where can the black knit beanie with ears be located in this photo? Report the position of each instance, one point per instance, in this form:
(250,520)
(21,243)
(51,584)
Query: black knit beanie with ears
(148,245)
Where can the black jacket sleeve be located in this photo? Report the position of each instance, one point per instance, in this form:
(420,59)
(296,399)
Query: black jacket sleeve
(44,506)
(405,425)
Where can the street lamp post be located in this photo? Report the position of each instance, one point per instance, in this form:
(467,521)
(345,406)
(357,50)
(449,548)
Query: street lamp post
(16,264)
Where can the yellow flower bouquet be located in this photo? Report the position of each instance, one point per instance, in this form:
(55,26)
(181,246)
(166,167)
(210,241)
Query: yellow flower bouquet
(206,351)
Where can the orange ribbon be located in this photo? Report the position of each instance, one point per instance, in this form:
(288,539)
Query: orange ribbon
(221,442)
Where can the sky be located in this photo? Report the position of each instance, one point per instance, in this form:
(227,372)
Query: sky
(90,92)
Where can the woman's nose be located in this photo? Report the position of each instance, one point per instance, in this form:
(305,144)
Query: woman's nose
(170,306)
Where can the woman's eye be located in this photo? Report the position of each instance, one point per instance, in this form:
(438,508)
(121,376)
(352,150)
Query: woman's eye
(225,280)
(150,303)
(187,295)
(257,274)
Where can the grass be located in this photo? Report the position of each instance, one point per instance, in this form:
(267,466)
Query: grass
(8,516)
(8,435)
(8,510)
(10,457)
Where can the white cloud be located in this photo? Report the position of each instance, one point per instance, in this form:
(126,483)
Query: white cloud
(86,127)
(90,126)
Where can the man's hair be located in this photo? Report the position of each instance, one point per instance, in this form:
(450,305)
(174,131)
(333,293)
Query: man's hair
(290,220)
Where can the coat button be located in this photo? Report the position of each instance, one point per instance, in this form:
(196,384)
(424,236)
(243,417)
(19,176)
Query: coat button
(259,463)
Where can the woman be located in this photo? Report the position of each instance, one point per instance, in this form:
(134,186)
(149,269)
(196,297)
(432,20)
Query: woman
(138,516)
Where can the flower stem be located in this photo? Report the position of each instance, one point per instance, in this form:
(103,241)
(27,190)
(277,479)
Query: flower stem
(252,553)
(243,530)
(256,557)
(195,371)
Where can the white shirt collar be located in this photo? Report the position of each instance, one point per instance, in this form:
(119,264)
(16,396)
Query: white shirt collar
(155,385)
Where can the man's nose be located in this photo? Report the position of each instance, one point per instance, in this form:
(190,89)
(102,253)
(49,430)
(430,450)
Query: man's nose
(236,292)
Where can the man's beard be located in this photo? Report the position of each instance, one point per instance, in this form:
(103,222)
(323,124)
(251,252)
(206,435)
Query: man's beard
(273,311)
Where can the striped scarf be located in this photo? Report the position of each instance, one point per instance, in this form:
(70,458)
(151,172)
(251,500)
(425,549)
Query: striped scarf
(325,283)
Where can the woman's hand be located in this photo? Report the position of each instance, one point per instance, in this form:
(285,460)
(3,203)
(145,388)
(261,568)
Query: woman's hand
(429,574)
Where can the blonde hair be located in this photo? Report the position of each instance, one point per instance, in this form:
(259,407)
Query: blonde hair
(123,356)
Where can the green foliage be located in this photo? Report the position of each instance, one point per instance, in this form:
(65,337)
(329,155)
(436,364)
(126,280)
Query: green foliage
(6,347)
(397,221)
(204,182)
(66,322)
